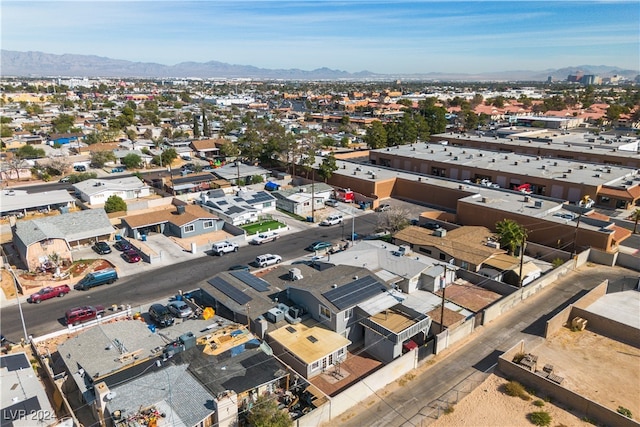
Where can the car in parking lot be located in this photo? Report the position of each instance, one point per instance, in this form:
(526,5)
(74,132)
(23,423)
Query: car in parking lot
(123,245)
(383,207)
(318,246)
(331,202)
(267,260)
(161,315)
(333,219)
(265,237)
(102,248)
(180,309)
(131,256)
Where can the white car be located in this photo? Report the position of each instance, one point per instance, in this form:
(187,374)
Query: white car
(268,259)
(267,236)
(334,219)
(221,248)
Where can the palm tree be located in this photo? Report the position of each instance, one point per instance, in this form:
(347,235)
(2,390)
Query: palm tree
(635,216)
(511,234)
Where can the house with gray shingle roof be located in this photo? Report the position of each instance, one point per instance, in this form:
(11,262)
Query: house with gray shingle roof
(37,240)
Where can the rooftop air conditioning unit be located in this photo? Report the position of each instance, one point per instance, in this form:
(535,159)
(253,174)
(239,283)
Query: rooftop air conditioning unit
(538,204)
(493,244)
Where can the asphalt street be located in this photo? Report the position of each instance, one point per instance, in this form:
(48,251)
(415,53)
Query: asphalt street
(155,284)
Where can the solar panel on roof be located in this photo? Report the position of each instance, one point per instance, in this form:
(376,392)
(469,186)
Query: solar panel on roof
(255,282)
(354,292)
(222,203)
(229,290)
(238,199)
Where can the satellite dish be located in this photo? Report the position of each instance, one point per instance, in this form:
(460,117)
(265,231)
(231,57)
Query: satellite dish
(110,396)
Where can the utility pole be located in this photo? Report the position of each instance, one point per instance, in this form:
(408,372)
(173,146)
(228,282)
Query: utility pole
(575,240)
(313,195)
(520,280)
(444,282)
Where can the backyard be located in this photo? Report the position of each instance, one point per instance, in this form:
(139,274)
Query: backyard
(261,226)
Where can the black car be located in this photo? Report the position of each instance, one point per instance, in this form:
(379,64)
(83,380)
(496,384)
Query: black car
(161,315)
(102,248)
(123,245)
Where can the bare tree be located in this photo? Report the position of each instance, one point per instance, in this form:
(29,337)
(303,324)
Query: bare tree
(393,220)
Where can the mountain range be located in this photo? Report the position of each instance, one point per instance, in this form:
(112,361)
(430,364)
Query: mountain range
(39,64)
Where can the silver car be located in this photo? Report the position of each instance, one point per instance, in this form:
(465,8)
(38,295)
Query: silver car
(180,309)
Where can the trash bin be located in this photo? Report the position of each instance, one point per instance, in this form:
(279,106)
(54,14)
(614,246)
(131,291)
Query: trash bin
(143,237)
(118,237)
(309,219)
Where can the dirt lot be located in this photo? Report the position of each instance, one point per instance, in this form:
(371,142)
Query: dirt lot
(487,405)
(579,358)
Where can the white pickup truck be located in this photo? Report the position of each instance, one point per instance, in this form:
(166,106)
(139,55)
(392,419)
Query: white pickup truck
(265,237)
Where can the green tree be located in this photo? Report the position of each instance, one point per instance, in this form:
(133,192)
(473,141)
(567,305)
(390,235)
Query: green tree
(100,158)
(166,157)
(196,127)
(115,204)
(257,179)
(265,413)
(511,235)
(132,161)
(376,136)
(327,167)
(63,123)
(29,152)
(435,116)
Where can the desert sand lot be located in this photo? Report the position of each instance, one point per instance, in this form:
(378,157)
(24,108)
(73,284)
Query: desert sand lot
(597,367)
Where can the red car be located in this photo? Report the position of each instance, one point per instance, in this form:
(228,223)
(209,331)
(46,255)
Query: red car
(131,256)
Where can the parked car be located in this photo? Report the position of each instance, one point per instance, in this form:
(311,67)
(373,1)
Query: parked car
(180,309)
(65,179)
(383,208)
(239,267)
(160,315)
(131,256)
(77,315)
(318,246)
(333,219)
(267,236)
(331,202)
(221,248)
(268,259)
(123,245)
(102,248)
(49,292)
(118,169)
(96,278)
(80,168)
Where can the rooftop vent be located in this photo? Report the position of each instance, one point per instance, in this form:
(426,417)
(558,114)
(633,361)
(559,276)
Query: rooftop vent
(493,160)
(516,163)
(544,166)
(597,175)
(555,163)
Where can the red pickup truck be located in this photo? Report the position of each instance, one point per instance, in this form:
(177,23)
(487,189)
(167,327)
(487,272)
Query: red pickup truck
(49,292)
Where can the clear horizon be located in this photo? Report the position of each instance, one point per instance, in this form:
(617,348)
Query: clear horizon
(379,36)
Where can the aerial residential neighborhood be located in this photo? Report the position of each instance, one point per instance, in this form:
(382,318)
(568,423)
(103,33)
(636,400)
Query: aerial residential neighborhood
(211,244)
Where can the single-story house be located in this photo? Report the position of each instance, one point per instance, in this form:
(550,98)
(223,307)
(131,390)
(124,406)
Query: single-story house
(242,208)
(97,191)
(65,138)
(298,200)
(38,240)
(22,201)
(469,246)
(208,148)
(179,221)
(120,154)
(232,171)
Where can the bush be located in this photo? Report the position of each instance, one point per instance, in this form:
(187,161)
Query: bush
(449,409)
(624,411)
(539,403)
(540,418)
(515,389)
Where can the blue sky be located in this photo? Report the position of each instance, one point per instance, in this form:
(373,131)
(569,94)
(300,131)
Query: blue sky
(351,35)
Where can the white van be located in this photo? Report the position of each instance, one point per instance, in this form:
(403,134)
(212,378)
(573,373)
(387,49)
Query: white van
(221,248)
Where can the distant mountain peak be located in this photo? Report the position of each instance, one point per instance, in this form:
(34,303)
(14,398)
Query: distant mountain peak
(40,64)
